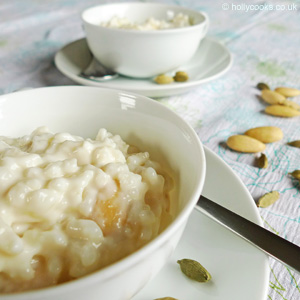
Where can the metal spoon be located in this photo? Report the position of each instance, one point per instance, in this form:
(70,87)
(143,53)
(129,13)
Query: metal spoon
(97,72)
(270,243)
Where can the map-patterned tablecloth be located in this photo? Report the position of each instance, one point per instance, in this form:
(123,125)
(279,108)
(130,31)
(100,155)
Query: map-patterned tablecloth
(264,38)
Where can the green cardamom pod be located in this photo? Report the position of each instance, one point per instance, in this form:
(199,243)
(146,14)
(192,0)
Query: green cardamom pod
(268,199)
(262,161)
(181,76)
(262,86)
(294,143)
(194,270)
(295,174)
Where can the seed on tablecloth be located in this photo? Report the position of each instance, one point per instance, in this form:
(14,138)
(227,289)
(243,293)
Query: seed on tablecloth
(262,161)
(294,143)
(288,92)
(282,111)
(268,199)
(262,86)
(244,143)
(265,134)
(272,97)
(291,104)
(295,174)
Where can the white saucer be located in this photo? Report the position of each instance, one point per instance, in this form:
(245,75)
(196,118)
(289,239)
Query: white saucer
(239,271)
(210,61)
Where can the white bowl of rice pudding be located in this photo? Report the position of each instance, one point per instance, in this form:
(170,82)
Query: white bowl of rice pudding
(96,188)
(143,39)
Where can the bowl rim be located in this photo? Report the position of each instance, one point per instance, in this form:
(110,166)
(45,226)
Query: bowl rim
(132,259)
(177,30)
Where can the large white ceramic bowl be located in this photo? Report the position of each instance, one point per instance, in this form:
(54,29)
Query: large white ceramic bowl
(140,121)
(142,53)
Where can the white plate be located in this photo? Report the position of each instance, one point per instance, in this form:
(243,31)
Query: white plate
(239,271)
(210,61)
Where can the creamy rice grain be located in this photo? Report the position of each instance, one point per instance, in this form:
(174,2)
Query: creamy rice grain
(70,206)
(176,21)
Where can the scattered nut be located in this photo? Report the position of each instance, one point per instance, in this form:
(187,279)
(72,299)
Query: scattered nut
(268,199)
(291,104)
(282,111)
(266,134)
(288,92)
(244,143)
(163,79)
(295,174)
(272,97)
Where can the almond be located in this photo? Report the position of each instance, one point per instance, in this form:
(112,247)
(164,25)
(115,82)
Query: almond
(288,92)
(272,97)
(265,134)
(291,104)
(163,79)
(244,143)
(268,199)
(282,111)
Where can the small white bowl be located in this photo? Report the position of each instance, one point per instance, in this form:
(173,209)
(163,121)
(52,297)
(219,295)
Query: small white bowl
(137,53)
(140,121)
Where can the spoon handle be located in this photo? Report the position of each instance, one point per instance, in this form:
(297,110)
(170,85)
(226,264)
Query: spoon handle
(272,244)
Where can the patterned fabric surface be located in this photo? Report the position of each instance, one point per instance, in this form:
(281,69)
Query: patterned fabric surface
(265,45)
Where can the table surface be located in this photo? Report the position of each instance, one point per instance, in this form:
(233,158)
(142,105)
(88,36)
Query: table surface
(265,46)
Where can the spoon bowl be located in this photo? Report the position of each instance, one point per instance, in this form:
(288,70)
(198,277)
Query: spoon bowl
(97,72)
